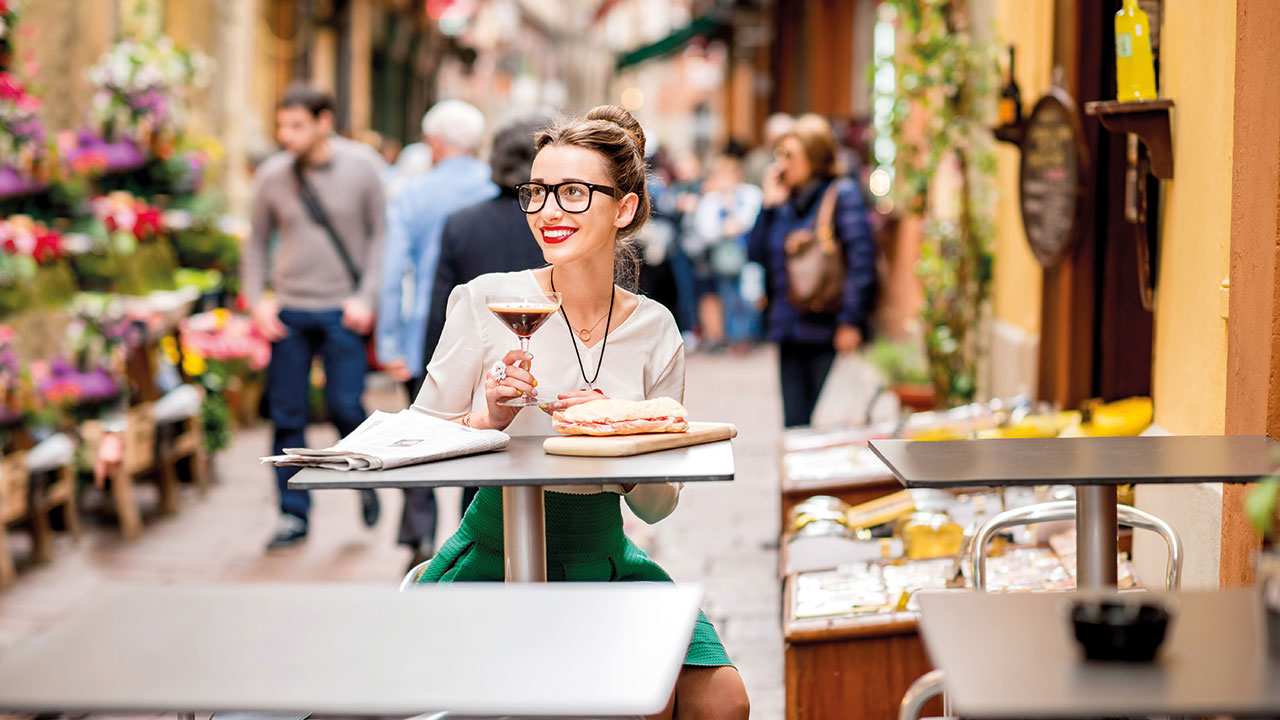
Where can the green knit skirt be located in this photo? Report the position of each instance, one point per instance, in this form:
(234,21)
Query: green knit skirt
(585,543)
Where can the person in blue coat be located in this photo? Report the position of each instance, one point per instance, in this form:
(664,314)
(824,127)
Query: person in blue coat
(808,342)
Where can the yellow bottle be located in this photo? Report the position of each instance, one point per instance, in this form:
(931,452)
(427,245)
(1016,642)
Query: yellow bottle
(1135,68)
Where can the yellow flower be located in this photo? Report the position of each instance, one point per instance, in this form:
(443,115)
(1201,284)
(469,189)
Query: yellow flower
(170,349)
(221,316)
(193,363)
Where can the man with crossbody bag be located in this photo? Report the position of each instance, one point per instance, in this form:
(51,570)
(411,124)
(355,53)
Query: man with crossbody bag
(322,200)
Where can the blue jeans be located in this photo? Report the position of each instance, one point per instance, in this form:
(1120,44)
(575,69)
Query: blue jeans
(741,319)
(311,333)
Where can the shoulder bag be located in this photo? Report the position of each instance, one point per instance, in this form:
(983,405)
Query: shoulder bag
(815,261)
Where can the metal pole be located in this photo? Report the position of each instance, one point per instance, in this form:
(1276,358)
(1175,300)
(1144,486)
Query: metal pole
(1096,530)
(524,533)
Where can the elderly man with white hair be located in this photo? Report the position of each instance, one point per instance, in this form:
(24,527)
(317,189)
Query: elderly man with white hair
(415,218)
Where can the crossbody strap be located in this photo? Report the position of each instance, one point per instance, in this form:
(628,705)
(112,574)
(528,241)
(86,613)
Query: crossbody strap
(316,211)
(824,227)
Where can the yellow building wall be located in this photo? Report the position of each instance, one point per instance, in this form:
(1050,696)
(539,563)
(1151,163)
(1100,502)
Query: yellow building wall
(1027,25)
(1014,338)
(1190,373)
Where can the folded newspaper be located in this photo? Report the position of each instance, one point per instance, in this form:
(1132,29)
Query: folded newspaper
(391,440)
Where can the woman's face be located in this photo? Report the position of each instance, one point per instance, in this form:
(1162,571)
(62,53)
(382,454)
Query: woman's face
(796,170)
(566,237)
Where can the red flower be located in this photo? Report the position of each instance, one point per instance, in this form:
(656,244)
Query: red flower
(4,7)
(10,88)
(10,246)
(48,247)
(148,223)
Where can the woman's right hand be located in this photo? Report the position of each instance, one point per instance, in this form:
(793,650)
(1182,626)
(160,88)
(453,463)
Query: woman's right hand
(775,191)
(518,380)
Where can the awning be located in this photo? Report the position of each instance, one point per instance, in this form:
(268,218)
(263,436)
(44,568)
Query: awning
(708,26)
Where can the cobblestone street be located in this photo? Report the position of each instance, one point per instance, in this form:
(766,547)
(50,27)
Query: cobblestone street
(723,535)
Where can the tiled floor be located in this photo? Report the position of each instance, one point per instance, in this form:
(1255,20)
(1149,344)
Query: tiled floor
(722,536)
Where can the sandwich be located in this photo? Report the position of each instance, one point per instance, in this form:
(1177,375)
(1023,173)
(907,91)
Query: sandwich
(622,417)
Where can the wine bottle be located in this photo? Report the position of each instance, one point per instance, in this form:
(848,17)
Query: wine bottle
(1135,67)
(1010,97)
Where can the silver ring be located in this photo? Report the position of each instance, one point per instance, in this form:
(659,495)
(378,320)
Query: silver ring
(498,372)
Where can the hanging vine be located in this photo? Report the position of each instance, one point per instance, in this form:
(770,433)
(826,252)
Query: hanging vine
(943,106)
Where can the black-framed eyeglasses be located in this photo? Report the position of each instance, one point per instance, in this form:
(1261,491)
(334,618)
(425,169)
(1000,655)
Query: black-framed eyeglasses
(572,197)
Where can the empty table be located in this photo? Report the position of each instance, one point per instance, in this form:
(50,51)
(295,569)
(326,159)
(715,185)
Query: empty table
(477,649)
(1094,465)
(523,470)
(1014,656)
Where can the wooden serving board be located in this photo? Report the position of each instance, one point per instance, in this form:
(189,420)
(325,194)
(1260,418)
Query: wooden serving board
(624,445)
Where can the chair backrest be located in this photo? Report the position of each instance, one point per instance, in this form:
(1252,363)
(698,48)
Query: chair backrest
(411,577)
(925,688)
(1066,510)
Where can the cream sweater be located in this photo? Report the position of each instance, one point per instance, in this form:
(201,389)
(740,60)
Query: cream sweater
(644,359)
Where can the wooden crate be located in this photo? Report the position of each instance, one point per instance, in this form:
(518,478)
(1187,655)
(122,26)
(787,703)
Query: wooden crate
(14,490)
(850,666)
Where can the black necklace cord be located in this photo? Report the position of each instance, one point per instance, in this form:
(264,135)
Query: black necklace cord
(604,343)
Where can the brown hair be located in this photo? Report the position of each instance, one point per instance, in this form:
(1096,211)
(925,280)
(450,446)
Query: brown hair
(615,134)
(819,143)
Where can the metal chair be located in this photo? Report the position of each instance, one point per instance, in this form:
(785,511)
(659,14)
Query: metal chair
(925,688)
(929,685)
(411,577)
(1066,510)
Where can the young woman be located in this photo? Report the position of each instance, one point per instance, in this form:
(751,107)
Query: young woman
(587,194)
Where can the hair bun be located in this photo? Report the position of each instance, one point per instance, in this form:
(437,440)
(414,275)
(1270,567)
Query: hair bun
(623,119)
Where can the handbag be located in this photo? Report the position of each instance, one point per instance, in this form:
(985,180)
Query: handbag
(815,263)
(315,210)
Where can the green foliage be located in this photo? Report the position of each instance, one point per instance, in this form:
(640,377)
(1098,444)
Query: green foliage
(943,103)
(901,362)
(1260,506)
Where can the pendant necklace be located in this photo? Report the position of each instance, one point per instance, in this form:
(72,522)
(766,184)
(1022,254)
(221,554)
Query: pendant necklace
(604,344)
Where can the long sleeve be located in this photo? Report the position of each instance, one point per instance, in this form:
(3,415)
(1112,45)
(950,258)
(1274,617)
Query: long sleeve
(253,261)
(375,212)
(758,239)
(860,255)
(397,257)
(448,388)
(652,502)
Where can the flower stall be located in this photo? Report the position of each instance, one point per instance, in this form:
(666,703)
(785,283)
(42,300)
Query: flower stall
(118,357)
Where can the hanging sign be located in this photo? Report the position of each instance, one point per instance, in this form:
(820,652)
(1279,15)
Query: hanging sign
(1051,175)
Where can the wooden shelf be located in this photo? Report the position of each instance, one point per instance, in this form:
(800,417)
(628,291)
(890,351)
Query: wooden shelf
(1148,119)
(1009,133)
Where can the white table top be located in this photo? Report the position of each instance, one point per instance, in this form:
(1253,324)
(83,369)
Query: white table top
(1015,656)
(558,650)
(524,463)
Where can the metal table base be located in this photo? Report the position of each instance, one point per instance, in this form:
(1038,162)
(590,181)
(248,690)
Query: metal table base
(1096,532)
(524,533)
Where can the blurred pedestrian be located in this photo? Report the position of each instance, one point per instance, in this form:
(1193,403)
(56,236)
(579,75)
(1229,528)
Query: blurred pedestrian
(322,198)
(415,220)
(758,160)
(489,237)
(726,213)
(676,205)
(796,185)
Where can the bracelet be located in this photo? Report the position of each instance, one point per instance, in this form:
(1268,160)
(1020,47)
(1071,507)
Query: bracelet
(466,419)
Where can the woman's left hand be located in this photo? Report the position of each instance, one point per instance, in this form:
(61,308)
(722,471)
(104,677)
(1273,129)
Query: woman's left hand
(568,400)
(848,338)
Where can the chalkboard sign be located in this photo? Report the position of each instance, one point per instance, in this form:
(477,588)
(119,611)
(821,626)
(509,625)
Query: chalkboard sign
(1050,176)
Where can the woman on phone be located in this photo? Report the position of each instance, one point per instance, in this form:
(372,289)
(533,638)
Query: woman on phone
(804,171)
(585,197)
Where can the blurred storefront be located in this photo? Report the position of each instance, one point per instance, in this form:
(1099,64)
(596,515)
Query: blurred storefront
(1199,343)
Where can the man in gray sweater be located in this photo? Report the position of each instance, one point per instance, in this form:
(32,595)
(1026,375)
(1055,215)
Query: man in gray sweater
(322,200)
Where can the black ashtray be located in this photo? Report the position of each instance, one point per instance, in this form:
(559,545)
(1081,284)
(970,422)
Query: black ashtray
(1113,629)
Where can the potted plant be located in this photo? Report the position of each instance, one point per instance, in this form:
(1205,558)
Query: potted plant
(1261,506)
(906,370)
